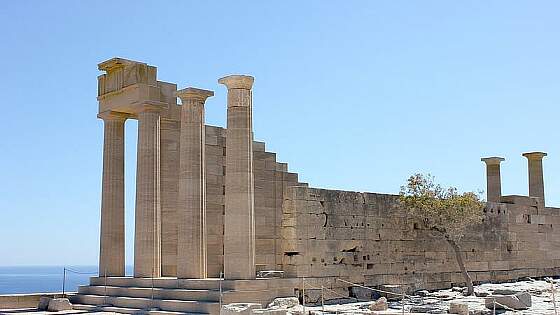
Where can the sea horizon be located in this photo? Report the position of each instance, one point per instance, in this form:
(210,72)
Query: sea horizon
(21,279)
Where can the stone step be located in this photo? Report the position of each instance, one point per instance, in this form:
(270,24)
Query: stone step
(97,308)
(195,284)
(159,293)
(124,310)
(187,306)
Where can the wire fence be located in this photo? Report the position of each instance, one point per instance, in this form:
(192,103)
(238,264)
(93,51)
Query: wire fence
(65,277)
(404,296)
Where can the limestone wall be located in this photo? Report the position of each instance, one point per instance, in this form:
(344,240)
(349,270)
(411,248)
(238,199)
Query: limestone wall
(25,300)
(365,238)
(271,179)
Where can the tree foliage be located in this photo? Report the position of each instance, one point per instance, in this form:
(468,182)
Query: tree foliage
(444,210)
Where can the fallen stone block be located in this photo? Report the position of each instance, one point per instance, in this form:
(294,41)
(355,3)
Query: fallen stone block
(364,294)
(59,304)
(458,308)
(312,296)
(480,293)
(239,308)
(392,292)
(422,293)
(505,292)
(379,305)
(43,303)
(424,309)
(519,301)
(285,302)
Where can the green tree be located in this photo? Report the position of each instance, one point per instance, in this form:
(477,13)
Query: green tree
(444,211)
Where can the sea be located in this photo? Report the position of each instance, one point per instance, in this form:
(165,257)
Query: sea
(42,279)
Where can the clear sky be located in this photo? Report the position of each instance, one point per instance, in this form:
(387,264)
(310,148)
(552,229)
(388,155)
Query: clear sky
(353,95)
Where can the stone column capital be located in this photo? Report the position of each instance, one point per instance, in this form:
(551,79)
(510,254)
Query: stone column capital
(493,160)
(192,93)
(111,115)
(236,81)
(534,155)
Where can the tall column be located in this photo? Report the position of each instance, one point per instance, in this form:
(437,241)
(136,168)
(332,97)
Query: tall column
(493,178)
(239,222)
(111,245)
(147,236)
(536,180)
(191,245)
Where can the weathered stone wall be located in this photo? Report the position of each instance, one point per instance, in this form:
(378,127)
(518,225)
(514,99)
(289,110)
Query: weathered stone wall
(25,300)
(271,179)
(365,238)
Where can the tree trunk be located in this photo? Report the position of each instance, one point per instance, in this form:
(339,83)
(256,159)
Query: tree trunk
(461,263)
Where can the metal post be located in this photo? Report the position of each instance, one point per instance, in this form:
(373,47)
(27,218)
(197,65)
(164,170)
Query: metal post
(152,287)
(494,306)
(322,299)
(303,294)
(554,297)
(402,301)
(105,288)
(64,281)
(220,284)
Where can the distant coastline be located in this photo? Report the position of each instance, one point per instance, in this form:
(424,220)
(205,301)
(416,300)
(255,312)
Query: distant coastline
(39,279)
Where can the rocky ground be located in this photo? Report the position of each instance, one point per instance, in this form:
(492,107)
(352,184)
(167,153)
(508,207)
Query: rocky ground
(438,302)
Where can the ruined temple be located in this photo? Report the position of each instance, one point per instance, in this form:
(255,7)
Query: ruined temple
(215,210)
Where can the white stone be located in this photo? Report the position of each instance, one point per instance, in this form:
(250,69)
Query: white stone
(379,305)
(239,308)
(59,304)
(519,301)
(285,302)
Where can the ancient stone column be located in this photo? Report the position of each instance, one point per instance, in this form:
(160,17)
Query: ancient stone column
(536,180)
(147,232)
(493,178)
(191,225)
(111,245)
(239,222)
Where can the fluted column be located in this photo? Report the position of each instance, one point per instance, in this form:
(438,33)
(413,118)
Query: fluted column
(191,225)
(493,178)
(111,245)
(239,222)
(147,236)
(536,179)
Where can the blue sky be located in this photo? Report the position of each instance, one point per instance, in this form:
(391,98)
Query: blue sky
(353,95)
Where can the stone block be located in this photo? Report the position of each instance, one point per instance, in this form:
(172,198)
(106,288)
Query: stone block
(519,301)
(285,302)
(59,304)
(239,308)
(43,303)
(458,308)
(379,305)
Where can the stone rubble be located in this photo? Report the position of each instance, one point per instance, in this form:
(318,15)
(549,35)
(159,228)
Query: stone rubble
(535,295)
(239,308)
